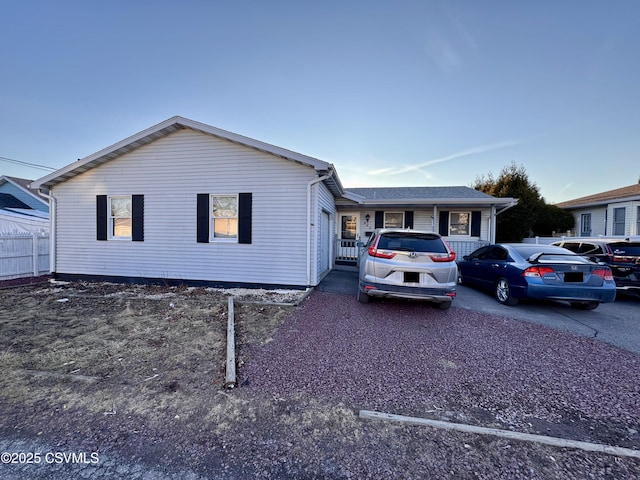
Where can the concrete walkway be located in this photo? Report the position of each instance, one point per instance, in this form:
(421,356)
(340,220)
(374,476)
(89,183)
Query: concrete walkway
(343,281)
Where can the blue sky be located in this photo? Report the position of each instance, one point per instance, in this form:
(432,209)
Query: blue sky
(394,93)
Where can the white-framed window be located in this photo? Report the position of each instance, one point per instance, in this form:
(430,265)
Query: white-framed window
(224,217)
(619,217)
(120,217)
(638,222)
(348,227)
(460,223)
(585,224)
(393,220)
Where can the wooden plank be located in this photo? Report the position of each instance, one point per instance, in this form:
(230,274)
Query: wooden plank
(526,437)
(230,380)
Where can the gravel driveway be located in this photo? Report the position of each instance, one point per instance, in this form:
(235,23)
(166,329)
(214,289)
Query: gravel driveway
(409,358)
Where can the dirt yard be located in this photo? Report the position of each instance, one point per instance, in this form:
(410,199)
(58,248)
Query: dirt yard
(137,373)
(94,350)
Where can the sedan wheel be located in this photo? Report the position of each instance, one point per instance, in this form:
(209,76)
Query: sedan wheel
(503,293)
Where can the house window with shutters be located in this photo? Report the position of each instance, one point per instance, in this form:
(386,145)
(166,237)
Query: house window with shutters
(224,218)
(120,217)
(393,220)
(460,223)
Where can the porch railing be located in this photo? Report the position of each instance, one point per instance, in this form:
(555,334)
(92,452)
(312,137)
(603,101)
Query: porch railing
(465,247)
(347,250)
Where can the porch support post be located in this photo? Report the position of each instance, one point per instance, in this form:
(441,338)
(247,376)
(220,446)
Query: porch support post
(492,225)
(433,220)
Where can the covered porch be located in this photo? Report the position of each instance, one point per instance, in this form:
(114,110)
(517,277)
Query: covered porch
(464,217)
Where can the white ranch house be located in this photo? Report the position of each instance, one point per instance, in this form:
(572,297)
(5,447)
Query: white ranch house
(185,202)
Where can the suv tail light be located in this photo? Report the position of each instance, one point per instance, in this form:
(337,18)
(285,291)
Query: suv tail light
(604,273)
(537,271)
(374,252)
(443,257)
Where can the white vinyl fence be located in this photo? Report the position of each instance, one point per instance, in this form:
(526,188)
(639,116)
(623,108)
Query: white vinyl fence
(23,255)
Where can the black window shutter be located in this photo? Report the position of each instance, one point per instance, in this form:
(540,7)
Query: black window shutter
(408,219)
(444,223)
(137,211)
(245,201)
(379,219)
(202,220)
(475,223)
(101,217)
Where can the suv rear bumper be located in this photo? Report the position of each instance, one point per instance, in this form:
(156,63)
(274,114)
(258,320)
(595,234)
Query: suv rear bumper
(437,295)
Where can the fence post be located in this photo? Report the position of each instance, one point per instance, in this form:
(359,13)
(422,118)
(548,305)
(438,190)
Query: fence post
(34,251)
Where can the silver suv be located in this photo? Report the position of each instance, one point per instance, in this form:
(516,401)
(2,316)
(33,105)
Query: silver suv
(407,264)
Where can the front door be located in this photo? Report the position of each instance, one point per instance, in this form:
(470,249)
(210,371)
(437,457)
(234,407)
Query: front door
(349,236)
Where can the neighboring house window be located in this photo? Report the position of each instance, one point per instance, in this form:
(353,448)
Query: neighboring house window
(120,217)
(393,220)
(459,223)
(224,220)
(120,211)
(585,224)
(638,222)
(619,215)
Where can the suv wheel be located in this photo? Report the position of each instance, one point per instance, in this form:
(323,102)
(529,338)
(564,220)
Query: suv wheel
(363,297)
(444,305)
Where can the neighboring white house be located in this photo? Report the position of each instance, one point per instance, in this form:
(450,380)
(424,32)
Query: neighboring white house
(611,213)
(186,202)
(22,210)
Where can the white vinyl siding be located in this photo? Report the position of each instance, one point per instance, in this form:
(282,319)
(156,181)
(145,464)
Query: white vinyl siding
(323,204)
(170,173)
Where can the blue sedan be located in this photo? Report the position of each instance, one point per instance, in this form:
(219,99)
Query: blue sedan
(518,270)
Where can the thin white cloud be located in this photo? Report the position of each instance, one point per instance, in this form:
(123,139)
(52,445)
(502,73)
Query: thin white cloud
(464,153)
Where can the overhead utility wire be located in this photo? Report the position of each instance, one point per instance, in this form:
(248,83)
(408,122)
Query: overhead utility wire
(26,164)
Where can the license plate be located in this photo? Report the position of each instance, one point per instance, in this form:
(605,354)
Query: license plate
(411,277)
(573,277)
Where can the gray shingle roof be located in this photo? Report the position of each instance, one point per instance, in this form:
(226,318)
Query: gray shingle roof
(418,193)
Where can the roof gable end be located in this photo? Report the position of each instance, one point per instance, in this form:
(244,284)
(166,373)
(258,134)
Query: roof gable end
(162,130)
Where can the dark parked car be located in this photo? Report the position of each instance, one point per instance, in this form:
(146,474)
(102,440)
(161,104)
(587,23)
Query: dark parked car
(407,264)
(515,271)
(622,256)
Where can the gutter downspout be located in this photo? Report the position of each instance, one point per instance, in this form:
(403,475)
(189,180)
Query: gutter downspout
(309,224)
(494,215)
(52,229)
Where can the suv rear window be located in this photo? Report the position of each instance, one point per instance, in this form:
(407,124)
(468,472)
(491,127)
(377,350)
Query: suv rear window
(411,242)
(627,249)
